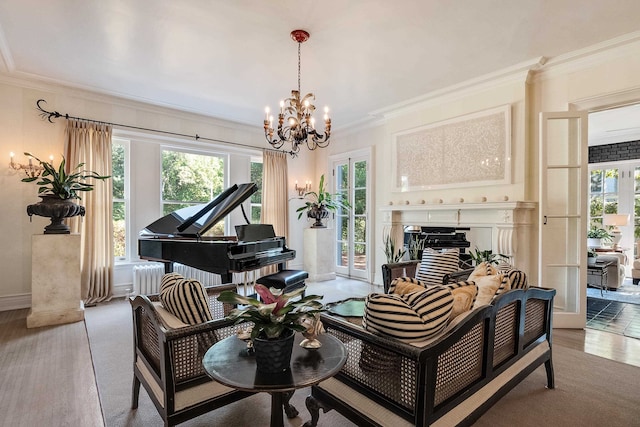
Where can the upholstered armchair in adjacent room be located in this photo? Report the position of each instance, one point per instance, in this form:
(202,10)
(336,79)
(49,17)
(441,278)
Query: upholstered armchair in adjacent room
(635,268)
(616,271)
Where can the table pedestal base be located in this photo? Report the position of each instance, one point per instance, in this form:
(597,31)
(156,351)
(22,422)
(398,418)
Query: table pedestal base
(280,401)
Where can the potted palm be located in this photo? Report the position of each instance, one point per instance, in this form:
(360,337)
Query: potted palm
(58,189)
(319,204)
(275,320)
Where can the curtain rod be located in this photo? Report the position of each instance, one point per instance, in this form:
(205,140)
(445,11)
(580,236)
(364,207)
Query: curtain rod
(49,115)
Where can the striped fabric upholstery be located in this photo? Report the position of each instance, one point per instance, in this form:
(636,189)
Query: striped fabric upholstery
(435,264)
(517,278)
(409,317)
(404,285)
(185,298)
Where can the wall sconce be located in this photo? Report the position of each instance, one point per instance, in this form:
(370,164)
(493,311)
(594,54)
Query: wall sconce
(31,170)
(302,190)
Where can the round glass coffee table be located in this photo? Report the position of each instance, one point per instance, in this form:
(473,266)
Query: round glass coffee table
(229,363)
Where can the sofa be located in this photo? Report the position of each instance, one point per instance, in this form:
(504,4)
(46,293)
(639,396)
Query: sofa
(448,380)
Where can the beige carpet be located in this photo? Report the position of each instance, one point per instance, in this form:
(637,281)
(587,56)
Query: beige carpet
(590,391)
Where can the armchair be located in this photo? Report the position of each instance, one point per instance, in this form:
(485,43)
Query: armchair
(408,269)
(167,358)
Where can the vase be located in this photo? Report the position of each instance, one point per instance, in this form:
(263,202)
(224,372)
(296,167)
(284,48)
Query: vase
(57,210)
(318,213)
(273,355)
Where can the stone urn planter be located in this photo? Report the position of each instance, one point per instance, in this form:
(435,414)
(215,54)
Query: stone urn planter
(57,210)
(318,213)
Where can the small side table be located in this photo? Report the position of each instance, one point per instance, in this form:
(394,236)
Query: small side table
(597,275)
(229,363)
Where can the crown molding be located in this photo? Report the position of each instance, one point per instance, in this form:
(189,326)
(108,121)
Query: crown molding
(589,56)
(5,53)
(27,81)
(616,137)
(517,73)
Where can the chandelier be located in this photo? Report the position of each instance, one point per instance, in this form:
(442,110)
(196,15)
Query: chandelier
(296,124)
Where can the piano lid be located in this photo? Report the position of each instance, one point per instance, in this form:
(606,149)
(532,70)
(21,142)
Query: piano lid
(198,219)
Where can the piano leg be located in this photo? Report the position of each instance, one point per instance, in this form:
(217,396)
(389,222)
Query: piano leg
(226,278)
(168,267)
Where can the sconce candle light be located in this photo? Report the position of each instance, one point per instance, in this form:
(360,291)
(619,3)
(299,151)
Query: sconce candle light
(31,170)
(302,190)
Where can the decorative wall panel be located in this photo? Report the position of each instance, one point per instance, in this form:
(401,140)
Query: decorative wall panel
(474,149)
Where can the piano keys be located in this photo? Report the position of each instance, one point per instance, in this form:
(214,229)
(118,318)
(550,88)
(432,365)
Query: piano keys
(179,237)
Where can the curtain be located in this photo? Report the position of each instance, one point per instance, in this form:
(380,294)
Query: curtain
(90,143)
(275,204)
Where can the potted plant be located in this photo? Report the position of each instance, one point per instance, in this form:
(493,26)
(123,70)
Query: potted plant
(592,257)
(596,236)
(58,188)
(487,255)
(319,204)
(393,255)
(275,320)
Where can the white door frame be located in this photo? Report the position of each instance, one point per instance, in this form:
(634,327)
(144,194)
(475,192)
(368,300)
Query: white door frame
(349,157)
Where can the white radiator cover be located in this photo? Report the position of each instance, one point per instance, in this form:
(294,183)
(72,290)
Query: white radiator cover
(147,276)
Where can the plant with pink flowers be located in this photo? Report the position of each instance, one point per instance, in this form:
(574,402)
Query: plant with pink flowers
(276,313)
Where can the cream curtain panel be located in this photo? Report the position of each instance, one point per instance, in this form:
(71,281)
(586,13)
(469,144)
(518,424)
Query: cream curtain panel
(90,143)
(275,204)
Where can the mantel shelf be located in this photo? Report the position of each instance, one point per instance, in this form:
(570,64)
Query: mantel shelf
(456,206)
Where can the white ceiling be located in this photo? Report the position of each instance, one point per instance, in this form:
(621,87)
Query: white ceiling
(231,58)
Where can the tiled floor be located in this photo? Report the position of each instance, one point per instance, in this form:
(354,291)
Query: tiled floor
(613,316)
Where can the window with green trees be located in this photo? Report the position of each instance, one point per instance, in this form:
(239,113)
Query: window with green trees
(603,195)
(191,179)
(118,176)
(256,198)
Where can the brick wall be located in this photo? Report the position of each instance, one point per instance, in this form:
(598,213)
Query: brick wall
(614,152)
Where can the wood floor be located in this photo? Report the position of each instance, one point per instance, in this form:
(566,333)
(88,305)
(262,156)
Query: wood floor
(47,375)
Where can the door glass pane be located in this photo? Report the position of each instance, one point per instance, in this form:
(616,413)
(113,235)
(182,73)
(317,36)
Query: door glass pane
(343,256)
(360,169)
(562,196)
(562,135)
(359,201)
(360,256)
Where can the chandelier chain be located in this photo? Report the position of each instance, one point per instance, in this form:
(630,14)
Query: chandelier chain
(299,66)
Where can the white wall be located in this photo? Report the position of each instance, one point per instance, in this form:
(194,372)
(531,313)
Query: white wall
(21,129)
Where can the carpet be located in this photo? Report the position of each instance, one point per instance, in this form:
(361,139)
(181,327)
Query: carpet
(627,292)
(590,391)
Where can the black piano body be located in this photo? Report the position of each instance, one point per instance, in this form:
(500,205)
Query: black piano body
(439,238)
(178,237)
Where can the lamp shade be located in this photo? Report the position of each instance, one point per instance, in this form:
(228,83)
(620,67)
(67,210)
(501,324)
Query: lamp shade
(616,220)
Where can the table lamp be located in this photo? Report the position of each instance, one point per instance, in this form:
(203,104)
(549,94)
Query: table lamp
(615,221)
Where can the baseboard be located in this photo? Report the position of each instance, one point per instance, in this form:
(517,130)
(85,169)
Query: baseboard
(15,302)
(122,289)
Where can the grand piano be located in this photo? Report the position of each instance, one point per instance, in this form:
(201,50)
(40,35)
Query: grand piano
(179,237)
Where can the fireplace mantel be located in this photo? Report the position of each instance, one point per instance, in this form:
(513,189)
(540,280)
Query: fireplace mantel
(511,222)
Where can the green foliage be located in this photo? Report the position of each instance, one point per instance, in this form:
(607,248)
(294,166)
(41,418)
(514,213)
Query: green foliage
(479,256)
(322,198)
(275,313)
(393,255)
(57,182)
(415,246)
(598,233)
(591,253)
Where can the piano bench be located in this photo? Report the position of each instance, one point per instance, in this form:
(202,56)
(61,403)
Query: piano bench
(286,280)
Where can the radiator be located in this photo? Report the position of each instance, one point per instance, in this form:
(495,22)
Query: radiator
(147,276)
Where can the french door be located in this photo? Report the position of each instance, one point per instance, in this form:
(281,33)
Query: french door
(352,180)
(563,214)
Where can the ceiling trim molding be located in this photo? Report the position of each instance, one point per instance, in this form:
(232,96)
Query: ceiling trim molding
(517,73)
(5,52)
(627,135)
(589,56)
(57,88)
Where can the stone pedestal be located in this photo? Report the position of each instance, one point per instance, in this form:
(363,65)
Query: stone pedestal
(319,254)
(55,280)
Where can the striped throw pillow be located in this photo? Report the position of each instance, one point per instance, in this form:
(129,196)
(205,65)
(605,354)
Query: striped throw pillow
(435,264)
(517,278)
(405,285)
(185,298)
(409,317)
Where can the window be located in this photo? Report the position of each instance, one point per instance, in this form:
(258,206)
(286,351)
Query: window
(256,198)
(603,197)
(119,174)
(191,179)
